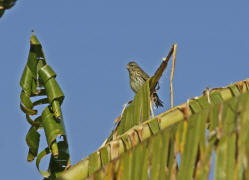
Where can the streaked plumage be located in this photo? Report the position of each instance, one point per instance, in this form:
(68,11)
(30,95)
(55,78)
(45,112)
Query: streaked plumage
(138,78)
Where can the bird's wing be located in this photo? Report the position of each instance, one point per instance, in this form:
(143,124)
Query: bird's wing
(145,76)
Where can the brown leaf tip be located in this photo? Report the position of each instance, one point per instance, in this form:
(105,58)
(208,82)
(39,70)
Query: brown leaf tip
(240,85)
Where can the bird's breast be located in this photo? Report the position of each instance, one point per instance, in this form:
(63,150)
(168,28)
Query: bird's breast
(136,82)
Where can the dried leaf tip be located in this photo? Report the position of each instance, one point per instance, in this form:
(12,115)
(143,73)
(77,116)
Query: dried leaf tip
(206,92)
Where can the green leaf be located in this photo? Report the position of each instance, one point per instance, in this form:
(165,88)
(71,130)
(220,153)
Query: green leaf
(150,150)
(6,4)
(38,79)
(33,140)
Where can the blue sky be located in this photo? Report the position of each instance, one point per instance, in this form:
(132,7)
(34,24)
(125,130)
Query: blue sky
(88,44)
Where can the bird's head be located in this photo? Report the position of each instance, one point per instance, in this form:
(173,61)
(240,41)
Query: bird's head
(131,66)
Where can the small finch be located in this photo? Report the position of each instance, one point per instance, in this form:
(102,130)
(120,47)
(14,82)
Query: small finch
(138,78)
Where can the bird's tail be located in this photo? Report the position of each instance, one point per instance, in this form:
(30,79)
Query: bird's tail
(156,100)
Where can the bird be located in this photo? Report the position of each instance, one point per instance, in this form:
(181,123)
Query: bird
(137,78)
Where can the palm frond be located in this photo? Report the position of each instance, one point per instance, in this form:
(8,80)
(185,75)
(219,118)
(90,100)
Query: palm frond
(180,143)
